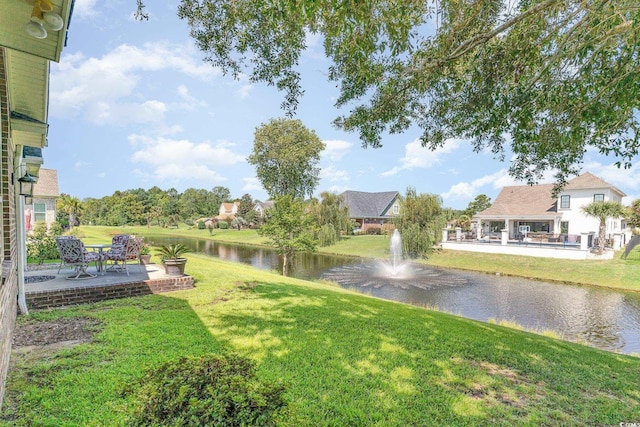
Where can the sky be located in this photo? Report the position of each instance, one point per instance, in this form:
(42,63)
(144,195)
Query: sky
(133,105)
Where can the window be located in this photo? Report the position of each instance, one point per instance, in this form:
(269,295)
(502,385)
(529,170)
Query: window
(564,227)
(39,212)
(534,226)
(598,197)
(396,209)
(496,226)
(565,202)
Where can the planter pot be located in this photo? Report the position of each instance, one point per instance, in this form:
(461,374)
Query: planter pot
(145,259)
(174,267)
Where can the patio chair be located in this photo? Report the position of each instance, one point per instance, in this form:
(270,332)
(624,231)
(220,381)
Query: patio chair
(74,254)
(121,255)
(118,247)
(62,263)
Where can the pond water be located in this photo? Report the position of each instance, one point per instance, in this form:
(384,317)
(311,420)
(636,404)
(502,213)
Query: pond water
(604,318)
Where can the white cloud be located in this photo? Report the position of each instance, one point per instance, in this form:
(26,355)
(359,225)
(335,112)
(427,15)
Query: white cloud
(335,150)
(97,89)
(80,165)
(189,102)
(468,190)
(628,179)
(83,9)
(332,174)
(251,183)
(182,159)
(244,91)
(417,156)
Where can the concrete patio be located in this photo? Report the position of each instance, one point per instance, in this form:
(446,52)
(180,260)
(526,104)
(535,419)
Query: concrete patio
(46,288)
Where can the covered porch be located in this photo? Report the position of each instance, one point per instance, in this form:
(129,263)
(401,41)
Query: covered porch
(541,228)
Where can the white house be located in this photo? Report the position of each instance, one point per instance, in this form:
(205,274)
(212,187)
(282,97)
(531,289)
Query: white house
(529,210)
(262,207)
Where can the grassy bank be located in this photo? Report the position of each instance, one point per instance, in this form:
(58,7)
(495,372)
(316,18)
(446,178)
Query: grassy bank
(345,359)
(615,273)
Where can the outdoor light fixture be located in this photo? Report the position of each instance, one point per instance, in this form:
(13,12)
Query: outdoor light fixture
(42,13)
(25,183)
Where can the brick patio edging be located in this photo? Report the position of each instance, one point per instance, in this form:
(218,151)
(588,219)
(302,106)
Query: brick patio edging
(85,294)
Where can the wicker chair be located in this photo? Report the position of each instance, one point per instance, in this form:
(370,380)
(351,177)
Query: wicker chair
(120,255)
(62,263)
(74,254)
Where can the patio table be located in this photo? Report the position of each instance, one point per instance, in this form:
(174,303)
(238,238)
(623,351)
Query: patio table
(100,247)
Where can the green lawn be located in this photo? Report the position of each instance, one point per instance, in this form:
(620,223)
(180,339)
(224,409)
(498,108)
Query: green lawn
(345,359)
(615,273)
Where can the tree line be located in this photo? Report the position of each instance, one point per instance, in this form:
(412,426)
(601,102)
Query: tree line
(145,207)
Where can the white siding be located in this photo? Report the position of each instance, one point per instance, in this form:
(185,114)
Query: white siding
(578,221)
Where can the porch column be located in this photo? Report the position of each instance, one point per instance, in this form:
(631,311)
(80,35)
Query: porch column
(584,241)
(445,234)
(617,241)
(479,231)
(505,236)
(458,234)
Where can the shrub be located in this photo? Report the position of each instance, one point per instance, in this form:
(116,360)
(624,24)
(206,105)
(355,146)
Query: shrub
(373,231)
(388,228)
(201,225)
(189,222)
(223,225)
(213,390)
(42,244)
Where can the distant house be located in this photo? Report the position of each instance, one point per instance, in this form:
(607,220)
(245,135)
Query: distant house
(525,209)
(45,195)
(228,211)
(371,210)
(262,207)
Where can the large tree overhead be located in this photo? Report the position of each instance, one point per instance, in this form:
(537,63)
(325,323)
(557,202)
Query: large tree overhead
(286,155)
(549,77)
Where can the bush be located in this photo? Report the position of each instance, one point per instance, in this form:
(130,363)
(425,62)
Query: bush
(201,225)
(213,390)
(189,222)
(223,225)
(374,231)
(388,228)
(42,244)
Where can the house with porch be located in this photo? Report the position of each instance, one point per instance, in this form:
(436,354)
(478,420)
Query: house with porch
(530,213)
(371,210)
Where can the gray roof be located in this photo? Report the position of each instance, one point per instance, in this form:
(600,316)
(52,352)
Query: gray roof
(368,205)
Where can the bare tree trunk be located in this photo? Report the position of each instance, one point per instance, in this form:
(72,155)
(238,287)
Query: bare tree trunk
(285,264)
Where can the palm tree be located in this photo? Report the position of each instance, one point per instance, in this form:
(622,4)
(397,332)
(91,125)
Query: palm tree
(603,210)
(69,205)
